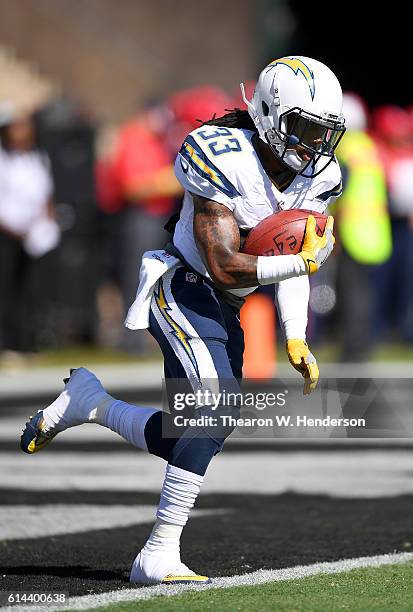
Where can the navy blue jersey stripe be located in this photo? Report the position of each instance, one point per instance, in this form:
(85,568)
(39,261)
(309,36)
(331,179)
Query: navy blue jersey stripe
(198,160)
(335,192)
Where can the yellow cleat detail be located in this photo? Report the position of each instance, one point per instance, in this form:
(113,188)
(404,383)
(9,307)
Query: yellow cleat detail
(174,579)
(35,436)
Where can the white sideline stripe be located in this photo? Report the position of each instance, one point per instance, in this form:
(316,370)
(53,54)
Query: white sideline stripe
(225,582)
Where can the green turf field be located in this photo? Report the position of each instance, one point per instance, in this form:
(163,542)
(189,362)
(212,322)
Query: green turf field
(388,589)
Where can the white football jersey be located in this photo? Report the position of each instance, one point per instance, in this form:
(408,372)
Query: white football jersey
(220,164)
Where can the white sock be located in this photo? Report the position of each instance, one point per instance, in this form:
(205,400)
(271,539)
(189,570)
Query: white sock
(161,554)
(179,492)
(166,537)
(128,421)
(82,401)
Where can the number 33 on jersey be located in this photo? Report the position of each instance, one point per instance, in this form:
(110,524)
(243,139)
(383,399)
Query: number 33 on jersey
(220,164)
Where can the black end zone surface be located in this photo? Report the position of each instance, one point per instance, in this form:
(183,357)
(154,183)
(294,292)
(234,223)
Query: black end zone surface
(256,531)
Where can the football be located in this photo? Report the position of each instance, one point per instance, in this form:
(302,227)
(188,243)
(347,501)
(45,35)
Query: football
(282,233)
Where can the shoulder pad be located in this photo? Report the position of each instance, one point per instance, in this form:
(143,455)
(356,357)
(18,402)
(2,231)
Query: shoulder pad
(212,163)
(194,154)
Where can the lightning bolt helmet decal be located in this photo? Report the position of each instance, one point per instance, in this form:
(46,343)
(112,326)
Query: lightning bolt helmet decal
(298,67)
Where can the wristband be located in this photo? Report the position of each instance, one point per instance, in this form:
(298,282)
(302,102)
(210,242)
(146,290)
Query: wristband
(276,268)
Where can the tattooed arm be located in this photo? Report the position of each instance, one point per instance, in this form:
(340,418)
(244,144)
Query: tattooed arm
(218,239)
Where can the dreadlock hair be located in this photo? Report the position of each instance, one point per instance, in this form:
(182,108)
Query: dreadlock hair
(235,118)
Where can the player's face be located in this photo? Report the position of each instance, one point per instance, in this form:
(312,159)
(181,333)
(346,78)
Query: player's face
(303,153)
(313,138)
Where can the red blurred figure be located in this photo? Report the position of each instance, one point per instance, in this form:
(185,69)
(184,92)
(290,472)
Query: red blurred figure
(192,106)
(392,129)
(137,187)
(198,104)
(391,125)
(139,172)
(141,167)
(410,112)
(136,183)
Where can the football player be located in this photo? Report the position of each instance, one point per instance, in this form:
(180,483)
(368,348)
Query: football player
(236,170)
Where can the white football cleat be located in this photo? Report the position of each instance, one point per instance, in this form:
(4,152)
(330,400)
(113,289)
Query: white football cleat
(160,567)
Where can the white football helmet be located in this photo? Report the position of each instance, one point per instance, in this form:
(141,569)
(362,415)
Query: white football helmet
(297,109)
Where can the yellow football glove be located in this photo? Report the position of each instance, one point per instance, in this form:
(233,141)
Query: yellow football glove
(316,248)
(304,362)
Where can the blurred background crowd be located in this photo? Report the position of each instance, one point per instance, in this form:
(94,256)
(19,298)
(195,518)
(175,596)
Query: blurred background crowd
(91,119)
